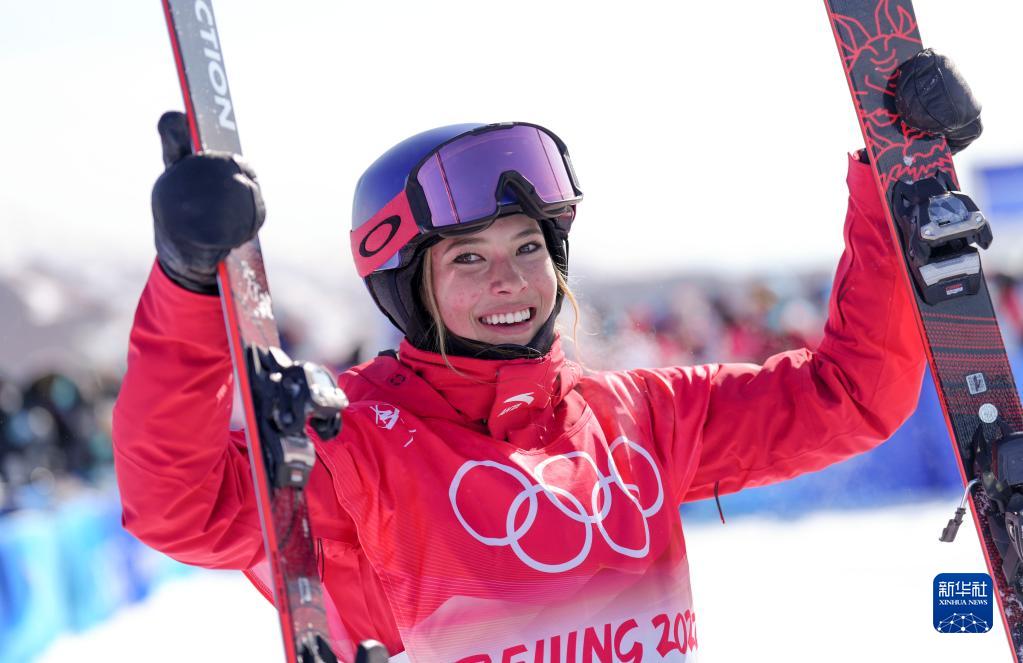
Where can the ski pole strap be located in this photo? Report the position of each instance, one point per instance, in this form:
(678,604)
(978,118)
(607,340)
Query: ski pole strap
(717,500)
(948,535)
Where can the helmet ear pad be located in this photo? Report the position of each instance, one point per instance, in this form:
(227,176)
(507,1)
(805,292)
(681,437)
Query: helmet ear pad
(556,235)
(396,292)
(557,246)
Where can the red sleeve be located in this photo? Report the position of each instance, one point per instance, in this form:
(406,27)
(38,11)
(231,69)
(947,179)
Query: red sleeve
(185,482)
(740,425)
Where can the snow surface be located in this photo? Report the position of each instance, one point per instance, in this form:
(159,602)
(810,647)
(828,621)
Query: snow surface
(835,586)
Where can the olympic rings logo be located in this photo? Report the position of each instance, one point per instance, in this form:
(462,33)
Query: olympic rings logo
(601,495)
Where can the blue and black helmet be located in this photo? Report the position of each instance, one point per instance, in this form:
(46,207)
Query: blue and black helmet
(450,180)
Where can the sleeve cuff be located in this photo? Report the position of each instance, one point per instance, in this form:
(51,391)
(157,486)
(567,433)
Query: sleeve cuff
(183,313)
(863,188)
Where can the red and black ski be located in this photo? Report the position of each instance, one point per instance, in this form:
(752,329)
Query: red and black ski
(938,230)
(279,396)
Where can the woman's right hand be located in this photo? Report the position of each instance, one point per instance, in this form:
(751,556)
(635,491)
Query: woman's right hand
(204,205)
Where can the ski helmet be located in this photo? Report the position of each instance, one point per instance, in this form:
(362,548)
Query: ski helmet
(454,180)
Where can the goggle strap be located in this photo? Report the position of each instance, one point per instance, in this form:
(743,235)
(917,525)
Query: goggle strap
(381,238)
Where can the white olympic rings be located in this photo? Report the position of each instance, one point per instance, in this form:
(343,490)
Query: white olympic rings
(577,512)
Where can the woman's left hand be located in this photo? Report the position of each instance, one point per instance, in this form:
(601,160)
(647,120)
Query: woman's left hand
(931,95)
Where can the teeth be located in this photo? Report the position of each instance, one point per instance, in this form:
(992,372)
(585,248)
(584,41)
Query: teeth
(506,318)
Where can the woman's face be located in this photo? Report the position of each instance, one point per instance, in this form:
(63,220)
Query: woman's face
(496,285)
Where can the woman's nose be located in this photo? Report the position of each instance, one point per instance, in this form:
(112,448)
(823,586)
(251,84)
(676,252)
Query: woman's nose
(505,277)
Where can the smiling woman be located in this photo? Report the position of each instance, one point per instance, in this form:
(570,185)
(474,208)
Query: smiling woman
(436,197)
(496,286)
(486,499)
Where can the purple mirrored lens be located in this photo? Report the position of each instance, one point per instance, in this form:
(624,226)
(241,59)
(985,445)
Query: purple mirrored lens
(460,180)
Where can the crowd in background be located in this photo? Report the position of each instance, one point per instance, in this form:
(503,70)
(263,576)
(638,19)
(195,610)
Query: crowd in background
(54,437)
(710,320)
(698,320)
(55,427)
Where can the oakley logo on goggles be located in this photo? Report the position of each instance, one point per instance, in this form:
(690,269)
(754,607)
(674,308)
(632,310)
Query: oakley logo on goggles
(472,179)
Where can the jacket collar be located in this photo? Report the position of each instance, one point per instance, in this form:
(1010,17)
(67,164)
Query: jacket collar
(512,400)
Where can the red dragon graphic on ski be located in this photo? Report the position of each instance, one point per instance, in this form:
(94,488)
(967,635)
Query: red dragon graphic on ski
(871,54)
(874,37)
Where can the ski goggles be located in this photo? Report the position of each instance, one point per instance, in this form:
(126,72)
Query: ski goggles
(467,182)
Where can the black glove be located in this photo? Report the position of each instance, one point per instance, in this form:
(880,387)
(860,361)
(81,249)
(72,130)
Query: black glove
(203,206)
(931,95)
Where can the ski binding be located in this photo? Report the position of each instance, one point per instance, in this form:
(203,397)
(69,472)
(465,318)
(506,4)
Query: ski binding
(938,226)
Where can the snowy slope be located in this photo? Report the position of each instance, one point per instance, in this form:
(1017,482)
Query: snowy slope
(833,587)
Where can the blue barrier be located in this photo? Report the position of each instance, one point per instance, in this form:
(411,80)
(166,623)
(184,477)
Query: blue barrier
(1002,187)
(92,564)
(918,461)
(32,603)
(69,569)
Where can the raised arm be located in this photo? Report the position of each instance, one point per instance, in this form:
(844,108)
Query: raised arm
(185,480)
(804,410)
(186,487)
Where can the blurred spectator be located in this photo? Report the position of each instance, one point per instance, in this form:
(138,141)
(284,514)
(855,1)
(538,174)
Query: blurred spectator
(29,456)
(700,320)
(52,432)
(1005,295)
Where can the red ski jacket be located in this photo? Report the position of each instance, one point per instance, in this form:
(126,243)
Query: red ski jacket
(515,510)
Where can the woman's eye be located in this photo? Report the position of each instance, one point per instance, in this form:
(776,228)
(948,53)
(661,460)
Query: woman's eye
(467,258)
(529,247)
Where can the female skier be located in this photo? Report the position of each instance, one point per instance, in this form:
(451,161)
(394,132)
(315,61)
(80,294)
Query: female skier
(486,500)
